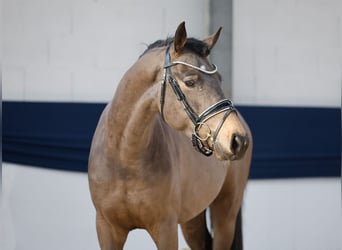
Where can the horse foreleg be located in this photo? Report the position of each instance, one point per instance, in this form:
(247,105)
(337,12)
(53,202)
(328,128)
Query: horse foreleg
(196,233)
(225,211)
(165,234)
(224,223)
(109,238)
(238,240)
(226,208)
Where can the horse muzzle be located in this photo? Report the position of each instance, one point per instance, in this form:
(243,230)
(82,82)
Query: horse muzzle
(238,146)
(233,149)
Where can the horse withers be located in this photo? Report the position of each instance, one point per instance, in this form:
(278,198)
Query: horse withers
(167,147)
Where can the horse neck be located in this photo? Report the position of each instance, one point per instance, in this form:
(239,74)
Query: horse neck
(134,108)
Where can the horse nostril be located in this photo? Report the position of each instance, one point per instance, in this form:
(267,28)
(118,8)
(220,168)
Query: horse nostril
(239,144)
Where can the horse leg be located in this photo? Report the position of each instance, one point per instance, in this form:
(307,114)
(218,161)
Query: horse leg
(196,233)
(238,240)
(225,210)
(109,238)
(224,219)
(165,234)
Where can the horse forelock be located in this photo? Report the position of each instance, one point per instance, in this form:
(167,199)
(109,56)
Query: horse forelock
(196,46)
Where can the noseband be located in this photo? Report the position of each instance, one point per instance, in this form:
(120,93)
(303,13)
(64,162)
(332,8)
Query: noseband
(224,105)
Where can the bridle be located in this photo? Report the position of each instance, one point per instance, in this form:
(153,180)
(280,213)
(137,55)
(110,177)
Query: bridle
(224,105)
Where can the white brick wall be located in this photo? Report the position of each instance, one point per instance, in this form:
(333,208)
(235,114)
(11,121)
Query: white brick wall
(287,52)
(293,214)
(78,50)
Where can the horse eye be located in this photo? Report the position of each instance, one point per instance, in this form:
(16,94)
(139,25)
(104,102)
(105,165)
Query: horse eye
(190,83)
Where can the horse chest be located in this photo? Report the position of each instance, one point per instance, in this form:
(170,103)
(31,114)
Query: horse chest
(200,184)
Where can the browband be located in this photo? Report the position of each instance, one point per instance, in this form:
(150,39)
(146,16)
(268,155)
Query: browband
(209,72)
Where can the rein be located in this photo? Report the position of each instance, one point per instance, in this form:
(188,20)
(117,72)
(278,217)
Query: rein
(224,105)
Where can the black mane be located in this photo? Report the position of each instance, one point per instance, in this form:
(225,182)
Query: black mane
(192,44)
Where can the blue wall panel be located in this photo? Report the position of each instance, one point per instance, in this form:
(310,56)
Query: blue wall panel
(294,142)
(288,142)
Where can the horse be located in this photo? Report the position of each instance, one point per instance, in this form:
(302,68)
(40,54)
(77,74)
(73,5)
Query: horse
(167,147)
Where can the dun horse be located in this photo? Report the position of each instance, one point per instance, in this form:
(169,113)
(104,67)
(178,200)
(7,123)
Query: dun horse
(167,147)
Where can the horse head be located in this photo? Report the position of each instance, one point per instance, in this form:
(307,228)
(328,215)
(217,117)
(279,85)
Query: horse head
(192,100)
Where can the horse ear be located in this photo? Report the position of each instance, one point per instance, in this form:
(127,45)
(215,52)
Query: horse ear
(180,37)
(211,40)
